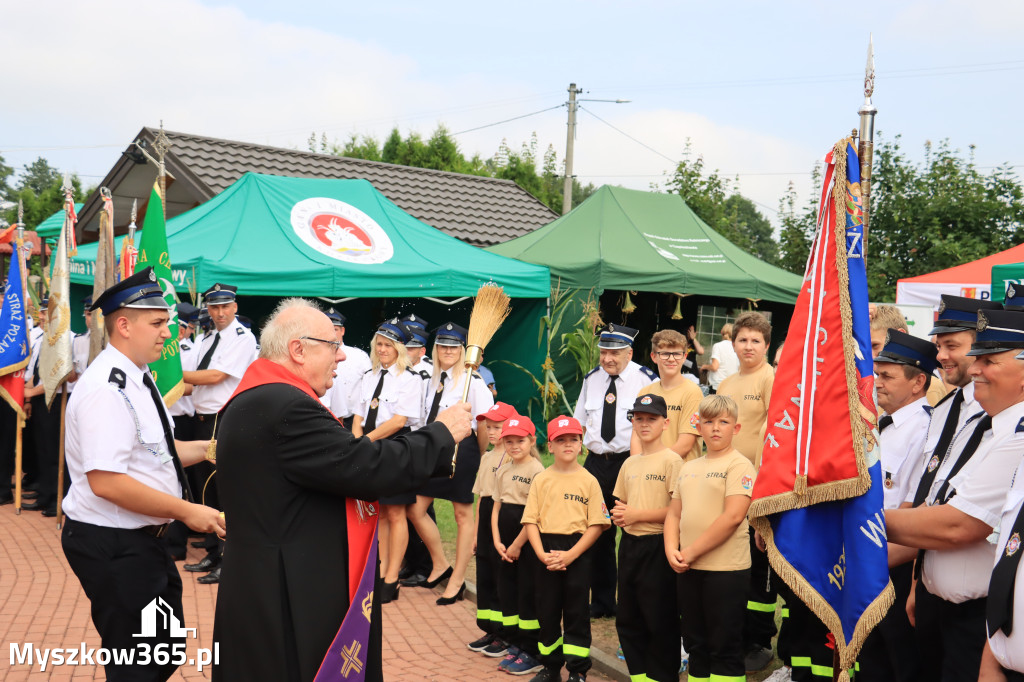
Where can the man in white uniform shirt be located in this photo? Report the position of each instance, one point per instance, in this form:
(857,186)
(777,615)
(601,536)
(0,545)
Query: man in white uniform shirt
(224,355)
(966,498)
(417,346)
(903,368)
(342,397)
(127,483)
(608,392)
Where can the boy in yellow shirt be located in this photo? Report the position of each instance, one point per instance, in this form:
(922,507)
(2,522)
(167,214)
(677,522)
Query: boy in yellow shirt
(682,396)
(706,544)
(647,621)
(565,514)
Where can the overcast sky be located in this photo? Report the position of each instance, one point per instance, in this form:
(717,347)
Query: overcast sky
(761,89)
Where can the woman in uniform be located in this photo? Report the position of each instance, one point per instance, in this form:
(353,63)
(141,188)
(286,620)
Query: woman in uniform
(444,389)
(389,397)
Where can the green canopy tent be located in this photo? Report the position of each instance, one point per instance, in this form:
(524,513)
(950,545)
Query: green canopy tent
(345,242)
(50,228)
(629,240)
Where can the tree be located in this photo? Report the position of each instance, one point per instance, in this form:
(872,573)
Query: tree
(798,226)
(937,214)
(724,210)
(5,172)
(38,176)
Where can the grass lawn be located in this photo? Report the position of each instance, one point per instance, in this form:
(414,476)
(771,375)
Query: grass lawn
(603,630)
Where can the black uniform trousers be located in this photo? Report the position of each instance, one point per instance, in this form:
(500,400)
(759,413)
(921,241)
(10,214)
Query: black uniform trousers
(762,593)
(204,488)
(176,537)
(605,469)
(563,608)
(122,572)
(8,434)
(488,609)
(45,426)
(804,640)
(890,651)
(950,637)
(647,620)
(711,610)
(516,584)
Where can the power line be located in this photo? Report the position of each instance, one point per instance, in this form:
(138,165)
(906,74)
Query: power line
(508,120)
(624,133)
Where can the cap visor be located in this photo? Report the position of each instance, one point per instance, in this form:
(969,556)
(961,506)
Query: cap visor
(949,330)
(990,351)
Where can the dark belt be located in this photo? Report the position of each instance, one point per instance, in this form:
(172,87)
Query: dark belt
(155,531)
(611,456)
(204,417)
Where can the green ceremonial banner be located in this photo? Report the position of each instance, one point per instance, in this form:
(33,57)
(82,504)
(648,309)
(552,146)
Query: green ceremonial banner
(153,252)
(1002,275)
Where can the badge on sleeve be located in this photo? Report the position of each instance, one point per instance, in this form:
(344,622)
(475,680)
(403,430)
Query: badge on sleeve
(747,482)
(1013,544)
(695,419)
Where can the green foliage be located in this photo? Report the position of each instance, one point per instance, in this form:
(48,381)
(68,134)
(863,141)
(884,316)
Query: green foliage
(441,152)
(936,214)
(5,172)
(797,226)
(39,189)
(731,215)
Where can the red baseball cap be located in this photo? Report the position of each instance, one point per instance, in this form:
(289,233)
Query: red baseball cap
(561,425)
(499,412)
(517,425)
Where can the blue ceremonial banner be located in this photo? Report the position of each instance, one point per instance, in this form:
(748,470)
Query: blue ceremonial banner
(818,497)
(14,339)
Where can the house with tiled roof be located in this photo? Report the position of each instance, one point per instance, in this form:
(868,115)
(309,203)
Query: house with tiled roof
(478,210)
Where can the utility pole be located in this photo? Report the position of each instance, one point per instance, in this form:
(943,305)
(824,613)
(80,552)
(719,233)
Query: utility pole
(569,139)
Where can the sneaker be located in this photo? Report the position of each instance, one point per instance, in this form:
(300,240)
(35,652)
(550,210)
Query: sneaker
(496,649)
(684,658)
(524,665)
(510,657)
(481,644)
(757,659)
(780,675)
(577,677)
(548,675)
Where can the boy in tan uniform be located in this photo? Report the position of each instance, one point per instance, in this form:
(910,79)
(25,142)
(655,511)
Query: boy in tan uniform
(682,396)
(647,621)
(751,389)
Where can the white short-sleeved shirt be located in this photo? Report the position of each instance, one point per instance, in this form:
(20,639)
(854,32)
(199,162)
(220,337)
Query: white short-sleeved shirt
(968,409)
(902,442)
(590,406)
(1009,651)
(187,348)
(233,355)
(728,362)
(425,364)
(119,430)
(79,356)
(480,398)
(342,398)
(401,394)
(978,490)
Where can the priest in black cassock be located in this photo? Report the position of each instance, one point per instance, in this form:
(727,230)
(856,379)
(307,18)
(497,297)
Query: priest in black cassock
(289,474)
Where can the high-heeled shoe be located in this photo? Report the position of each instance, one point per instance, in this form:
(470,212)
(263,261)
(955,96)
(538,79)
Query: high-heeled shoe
(459,596)
(431,584)
(388,592)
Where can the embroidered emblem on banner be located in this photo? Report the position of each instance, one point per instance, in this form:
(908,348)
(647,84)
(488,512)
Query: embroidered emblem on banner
(350,654)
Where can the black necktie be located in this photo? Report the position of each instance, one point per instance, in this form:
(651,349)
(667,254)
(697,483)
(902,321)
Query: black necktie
(158,401)
(886,420)
(999,608)
(608,416)
(205,362)
(432,415)
(371,414)
(983,425)
(945,439)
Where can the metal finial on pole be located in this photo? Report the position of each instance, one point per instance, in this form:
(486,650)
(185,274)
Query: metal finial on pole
(21,220)
(162,145)
(135,215)
(865,149)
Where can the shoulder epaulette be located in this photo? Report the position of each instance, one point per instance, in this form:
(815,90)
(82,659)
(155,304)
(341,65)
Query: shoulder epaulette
(946,397)
(423,374)
(77,335)
(184,346)
(928,409)
(369,371)
(649,373)
(240,331)
(477,375)
(118,378)
(1020,426)
(592,371)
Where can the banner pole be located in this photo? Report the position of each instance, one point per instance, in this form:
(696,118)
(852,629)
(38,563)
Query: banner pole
(60,458)
(18,463)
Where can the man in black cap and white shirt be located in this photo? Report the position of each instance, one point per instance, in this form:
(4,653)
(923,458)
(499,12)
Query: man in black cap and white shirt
(342,397)
(608,392)
(417,346)
(224,355)
(965,487)
(127,482)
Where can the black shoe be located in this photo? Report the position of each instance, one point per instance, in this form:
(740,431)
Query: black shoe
(757,659)
(50,511)
(39,505)
(198,544)
(417,580)
(29,494)
(481,644)
(207,563)
(406,571)
(459,596)
(431,584)
(547,675)
(577,677)
(388,592)
(210,578)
